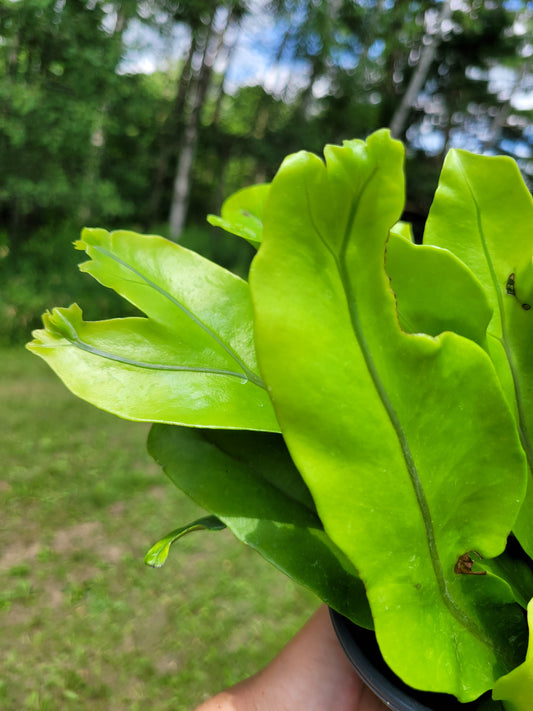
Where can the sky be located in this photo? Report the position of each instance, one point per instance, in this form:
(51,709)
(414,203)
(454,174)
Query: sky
(251,61)
(256,44)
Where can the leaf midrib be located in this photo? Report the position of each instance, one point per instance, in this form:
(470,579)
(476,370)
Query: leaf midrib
(247,373)
(522,427)
(83,346)
(340,260)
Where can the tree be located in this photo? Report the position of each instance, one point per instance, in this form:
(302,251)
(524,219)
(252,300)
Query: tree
(207,39)
(56,61)
(434,36)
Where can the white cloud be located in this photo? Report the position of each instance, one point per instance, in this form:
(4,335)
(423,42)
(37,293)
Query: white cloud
(523,101)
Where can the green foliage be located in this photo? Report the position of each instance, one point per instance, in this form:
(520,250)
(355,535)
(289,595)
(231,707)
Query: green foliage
(134,114)
(470,214)
(84,142)
(359,446)
(514,689)
(417,274)
(252,483)
(234,255)
(242,213)
(43,272)
(190,343)
(158,553)
(403,409)
(54,70)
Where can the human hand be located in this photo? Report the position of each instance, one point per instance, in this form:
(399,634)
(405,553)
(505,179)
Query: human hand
(311,673)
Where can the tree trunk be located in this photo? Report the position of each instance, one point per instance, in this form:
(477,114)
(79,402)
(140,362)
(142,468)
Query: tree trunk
(13,56)
(428,54)
(91,174)
(181,190)
(96,151)
(171,133)
(505,109)
(229,50)
(182,180)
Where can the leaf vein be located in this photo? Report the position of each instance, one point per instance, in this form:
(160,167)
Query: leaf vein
(522,427)
(82,345)
(248,373)
(341,263)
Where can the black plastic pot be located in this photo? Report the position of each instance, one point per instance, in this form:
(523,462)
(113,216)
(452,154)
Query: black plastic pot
(363,652)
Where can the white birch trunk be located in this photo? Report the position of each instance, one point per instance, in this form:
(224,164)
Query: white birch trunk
(427,55)
(182,180)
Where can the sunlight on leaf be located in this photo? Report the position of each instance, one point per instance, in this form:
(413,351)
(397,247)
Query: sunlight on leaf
(483,212)
(435,292)
(384,426)
(191,362)
(242,213)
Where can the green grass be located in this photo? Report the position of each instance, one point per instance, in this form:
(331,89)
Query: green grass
(84,624)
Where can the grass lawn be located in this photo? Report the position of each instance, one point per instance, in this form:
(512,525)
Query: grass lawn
(84,624)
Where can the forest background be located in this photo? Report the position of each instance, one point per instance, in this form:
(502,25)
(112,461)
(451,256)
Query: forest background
(146,114)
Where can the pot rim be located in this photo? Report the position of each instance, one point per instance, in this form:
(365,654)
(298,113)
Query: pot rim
(361,648)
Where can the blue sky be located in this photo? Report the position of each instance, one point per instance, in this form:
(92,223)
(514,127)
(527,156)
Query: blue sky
(257,42)
(251,62)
